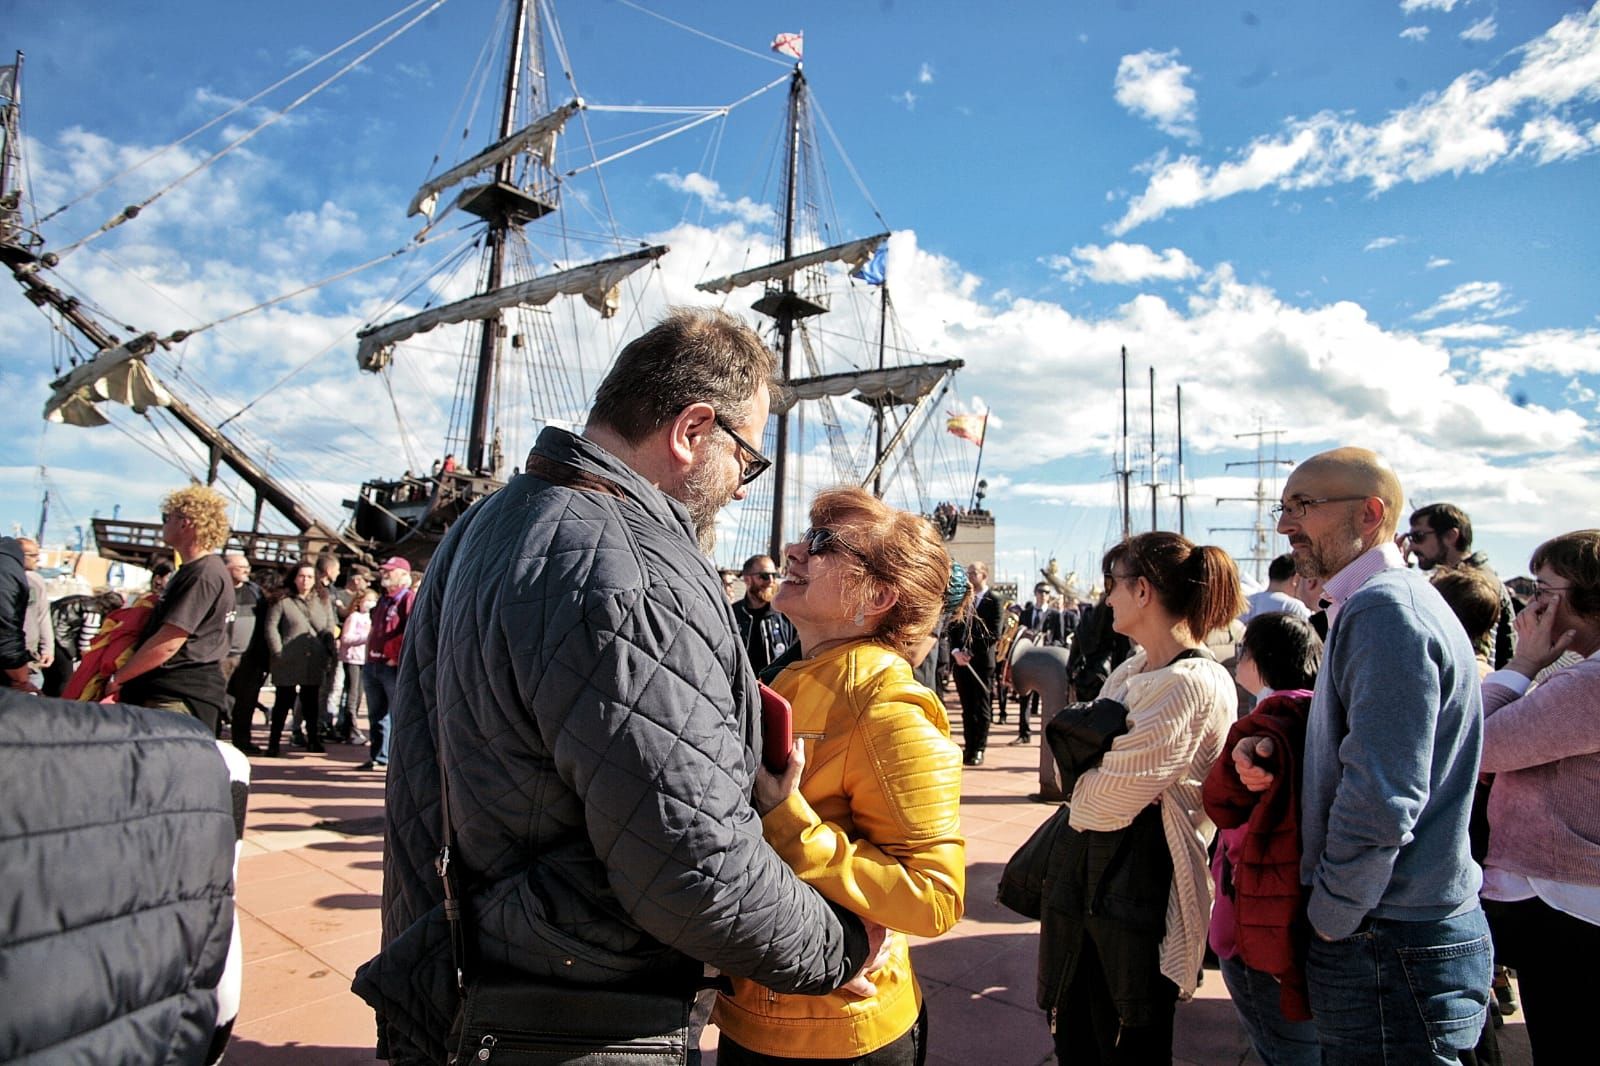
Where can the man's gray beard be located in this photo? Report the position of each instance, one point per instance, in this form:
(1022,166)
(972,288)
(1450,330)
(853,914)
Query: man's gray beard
(705,492)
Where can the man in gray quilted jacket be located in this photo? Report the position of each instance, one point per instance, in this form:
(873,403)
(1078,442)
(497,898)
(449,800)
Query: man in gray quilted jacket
(573,664)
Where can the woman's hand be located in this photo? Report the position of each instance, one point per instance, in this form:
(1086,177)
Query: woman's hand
(1538,644)
(772,790)
(882,940)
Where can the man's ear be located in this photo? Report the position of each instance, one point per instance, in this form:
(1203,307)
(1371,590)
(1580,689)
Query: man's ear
(1372,514)
(687,433)
(1452,539)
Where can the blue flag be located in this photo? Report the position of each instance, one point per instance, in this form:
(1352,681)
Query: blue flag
(875,270)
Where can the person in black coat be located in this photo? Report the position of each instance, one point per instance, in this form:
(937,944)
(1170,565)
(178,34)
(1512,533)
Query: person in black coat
(15,660)
(972,641)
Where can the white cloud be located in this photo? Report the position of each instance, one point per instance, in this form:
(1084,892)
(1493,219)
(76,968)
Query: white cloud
(906,99)
(709,193)
(1379,243)
(925,74)
(1473,124)
(1411,7)
(1151,84)
(1482,297)
(1122,264)
(1437,261)
(1482,30)
(1415,33)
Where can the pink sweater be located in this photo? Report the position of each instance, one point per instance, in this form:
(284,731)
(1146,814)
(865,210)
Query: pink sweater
(1544,750)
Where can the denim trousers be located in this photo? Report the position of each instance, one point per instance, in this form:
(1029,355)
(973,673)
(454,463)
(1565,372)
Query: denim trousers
(379,681)
(1277,1041)
(1401,992)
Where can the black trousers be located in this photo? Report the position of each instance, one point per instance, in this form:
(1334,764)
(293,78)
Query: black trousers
(910,1049)
(1089,1031)
(1548,949)
(973,689)
(310,708)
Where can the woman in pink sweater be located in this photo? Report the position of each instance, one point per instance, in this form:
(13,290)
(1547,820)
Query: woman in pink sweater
(1542,876)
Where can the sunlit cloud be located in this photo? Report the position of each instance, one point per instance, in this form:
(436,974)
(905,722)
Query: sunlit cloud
(1152,85)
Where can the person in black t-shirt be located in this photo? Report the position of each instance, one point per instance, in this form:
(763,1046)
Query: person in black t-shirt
(178,667)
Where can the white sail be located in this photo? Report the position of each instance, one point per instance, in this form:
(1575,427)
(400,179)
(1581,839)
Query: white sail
(539,135)
(854,253)
(897,384)
(593,281)
(118,375)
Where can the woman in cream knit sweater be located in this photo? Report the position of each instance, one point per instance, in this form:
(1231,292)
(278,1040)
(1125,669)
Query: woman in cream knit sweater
(1135,943)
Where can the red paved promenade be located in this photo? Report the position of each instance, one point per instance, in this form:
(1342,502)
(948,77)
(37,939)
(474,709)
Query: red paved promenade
(311,872)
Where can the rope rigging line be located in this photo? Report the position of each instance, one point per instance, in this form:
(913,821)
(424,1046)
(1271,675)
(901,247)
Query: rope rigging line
(133,210)
(185,334)
(565,59)
(765,57)
(848,165)
(400,422)
(477,76)
(240,106)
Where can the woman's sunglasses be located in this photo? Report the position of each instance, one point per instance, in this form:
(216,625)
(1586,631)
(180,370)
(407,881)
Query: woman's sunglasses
(820,540)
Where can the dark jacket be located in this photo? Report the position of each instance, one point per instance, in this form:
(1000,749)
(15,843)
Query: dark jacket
(1269,902)
(13,607)
(774,634)
(978,633)
(299,634)
(103,959)
(574,656)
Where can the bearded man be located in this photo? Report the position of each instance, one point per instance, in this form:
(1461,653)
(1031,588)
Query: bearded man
(766,633)
(572,664)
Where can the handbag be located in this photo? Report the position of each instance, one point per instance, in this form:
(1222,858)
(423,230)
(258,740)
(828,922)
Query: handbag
(512,1020)
(1022,881)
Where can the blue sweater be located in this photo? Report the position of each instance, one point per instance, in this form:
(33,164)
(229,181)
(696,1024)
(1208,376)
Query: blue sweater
(1392,752)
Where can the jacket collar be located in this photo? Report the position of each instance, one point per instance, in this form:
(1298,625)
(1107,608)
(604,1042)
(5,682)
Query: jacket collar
(562,446)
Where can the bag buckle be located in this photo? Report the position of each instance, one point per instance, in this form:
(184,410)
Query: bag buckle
(441,862)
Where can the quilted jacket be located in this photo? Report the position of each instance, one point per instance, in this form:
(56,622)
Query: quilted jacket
(117,837)
(875,827)
(573,655)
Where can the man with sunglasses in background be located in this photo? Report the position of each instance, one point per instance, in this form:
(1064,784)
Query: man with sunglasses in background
(766,633)
(1441,535)
(572,664)
(1398,965)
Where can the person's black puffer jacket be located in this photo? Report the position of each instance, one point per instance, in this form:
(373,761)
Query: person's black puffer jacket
(117,834)
(572,652)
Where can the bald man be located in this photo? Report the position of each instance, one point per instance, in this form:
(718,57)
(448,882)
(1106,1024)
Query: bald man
(1398,966)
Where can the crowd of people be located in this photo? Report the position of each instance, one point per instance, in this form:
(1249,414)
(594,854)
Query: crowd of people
(1401,756)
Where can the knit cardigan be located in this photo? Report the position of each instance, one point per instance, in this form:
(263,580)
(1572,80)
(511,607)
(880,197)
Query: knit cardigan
(1544,750)
(1177,718)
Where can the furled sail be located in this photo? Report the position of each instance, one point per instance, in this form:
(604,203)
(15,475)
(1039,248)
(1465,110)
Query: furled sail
(593,281)
(539,136)
(895,384)
(118,375)
(854,253)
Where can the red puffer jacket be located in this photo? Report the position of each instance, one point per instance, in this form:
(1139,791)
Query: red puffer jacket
(1269,902)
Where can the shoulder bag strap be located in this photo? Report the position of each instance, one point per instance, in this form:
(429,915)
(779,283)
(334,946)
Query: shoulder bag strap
(447,880)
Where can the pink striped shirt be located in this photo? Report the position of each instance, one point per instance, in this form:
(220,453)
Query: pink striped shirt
(1358,572)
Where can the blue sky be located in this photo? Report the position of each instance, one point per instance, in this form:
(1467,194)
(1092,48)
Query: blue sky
(1368,223)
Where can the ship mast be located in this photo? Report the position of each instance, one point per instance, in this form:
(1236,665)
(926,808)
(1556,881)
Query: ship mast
(786,313)
(500,225)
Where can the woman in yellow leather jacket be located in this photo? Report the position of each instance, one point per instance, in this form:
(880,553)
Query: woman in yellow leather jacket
(869,811)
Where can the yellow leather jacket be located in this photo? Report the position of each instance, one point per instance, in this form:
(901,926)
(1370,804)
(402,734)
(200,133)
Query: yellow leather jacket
(876,828)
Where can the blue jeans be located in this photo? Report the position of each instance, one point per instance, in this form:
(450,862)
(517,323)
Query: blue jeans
(1277,1040)
(1401,992)
(379,681)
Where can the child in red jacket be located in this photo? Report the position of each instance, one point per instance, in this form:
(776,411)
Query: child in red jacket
(1258,926)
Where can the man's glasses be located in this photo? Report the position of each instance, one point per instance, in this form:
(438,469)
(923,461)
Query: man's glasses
(820,540)
(1297,507)
(763,575)
(1417,536)
(756,464)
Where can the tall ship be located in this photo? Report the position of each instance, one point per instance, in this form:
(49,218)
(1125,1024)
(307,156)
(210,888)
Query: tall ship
(519,273)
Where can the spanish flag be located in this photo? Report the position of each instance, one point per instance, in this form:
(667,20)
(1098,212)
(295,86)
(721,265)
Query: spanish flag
(968,427)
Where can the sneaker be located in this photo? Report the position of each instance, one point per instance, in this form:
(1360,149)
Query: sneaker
(1504,994)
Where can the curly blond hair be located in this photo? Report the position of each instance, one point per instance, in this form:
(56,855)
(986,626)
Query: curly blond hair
(206,510)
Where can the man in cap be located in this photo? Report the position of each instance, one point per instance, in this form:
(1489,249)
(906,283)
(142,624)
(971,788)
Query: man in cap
(382,672)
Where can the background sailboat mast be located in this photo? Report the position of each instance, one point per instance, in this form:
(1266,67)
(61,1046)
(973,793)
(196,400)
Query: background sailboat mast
(786,315)
(883,406)
(495,246)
